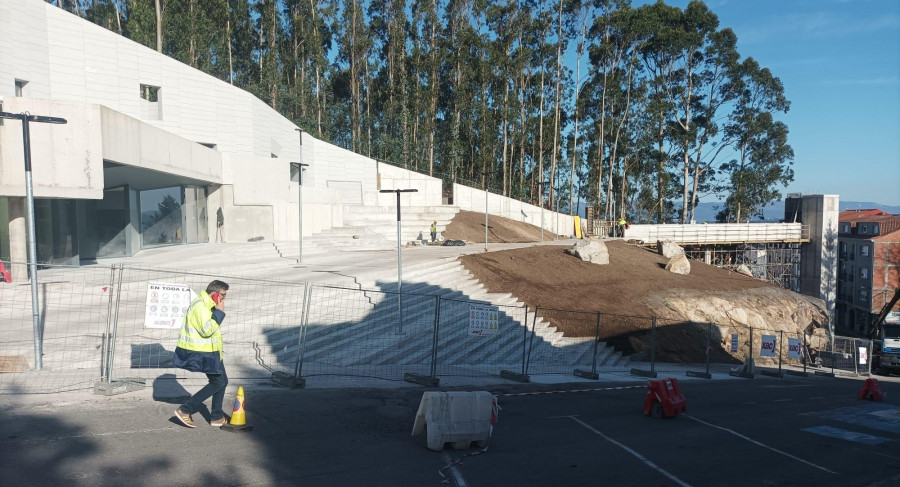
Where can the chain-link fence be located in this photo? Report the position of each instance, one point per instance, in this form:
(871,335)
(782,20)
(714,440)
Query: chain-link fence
(110,323)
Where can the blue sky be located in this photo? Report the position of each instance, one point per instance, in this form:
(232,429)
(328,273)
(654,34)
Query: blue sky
(839,61)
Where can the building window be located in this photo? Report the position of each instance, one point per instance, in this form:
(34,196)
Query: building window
(865,229)
(845,228)
(875,229)
(151,108)
(863,295)
(20,88)
(863,273)
(864,250)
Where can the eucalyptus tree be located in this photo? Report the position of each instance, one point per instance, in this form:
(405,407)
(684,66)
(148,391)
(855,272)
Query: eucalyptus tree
(309,38)
(354,42)
(501,22)
(139,23)
(763,156)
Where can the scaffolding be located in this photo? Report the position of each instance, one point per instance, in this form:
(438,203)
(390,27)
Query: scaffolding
(778,263)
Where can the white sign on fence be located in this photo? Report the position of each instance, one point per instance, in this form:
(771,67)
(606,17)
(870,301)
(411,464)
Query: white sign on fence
(794,345)
(167,304)
(863,355)
(734,342)
(768,346)
(483,320)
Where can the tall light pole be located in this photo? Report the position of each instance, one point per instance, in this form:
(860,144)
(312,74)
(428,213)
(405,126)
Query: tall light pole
(485,217)
(399,254)
(542,183)
(300,166)
(27,118)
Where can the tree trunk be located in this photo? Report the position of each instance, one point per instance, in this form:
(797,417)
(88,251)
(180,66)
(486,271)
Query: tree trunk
(159,38)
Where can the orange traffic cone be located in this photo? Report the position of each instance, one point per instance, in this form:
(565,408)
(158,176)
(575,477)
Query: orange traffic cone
(238,416)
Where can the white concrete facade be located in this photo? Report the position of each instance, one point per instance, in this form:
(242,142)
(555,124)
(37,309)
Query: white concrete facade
(139,122)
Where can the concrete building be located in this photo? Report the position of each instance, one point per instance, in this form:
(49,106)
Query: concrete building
(869,267)
(818,257)
(157,153)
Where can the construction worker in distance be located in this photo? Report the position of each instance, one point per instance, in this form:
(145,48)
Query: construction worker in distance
(622,224)
(433,231)
(200,350)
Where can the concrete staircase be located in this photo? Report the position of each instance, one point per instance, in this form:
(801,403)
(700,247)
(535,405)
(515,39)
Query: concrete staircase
(415,220)
(362,328)
(372,228)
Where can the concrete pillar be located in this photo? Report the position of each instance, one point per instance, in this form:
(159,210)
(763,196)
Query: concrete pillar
(18,240)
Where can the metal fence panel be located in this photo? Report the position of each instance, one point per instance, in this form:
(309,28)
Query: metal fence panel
(367,333)
(74,311)
(846,355)
(626,342)
(563,340)
(259,334)
(477,338)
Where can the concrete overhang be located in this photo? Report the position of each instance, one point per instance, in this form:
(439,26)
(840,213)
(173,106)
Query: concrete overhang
(148,157)
(97,148)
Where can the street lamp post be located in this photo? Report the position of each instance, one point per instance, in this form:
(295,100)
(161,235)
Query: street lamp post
(399,254)
(27,118)
(542,183)
(485,218)
(300,166)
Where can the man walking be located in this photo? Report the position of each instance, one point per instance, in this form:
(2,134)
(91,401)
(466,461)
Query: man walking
(433,231)
(200,350)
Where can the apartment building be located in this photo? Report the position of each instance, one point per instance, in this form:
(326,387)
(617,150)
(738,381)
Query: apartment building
(868,267)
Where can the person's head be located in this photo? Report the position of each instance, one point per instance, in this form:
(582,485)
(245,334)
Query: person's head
(217,287)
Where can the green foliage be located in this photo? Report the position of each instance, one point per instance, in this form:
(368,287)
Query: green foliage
(483,90)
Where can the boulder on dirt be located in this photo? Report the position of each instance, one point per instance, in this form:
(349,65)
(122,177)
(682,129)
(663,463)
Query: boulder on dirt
(679,264)
(590,251)
(668,248)
(743,269)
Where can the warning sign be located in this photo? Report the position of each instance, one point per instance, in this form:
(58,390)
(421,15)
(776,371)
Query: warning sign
(167,304)
(483,320)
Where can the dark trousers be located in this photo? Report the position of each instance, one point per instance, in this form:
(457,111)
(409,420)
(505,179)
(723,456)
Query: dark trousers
(216,389)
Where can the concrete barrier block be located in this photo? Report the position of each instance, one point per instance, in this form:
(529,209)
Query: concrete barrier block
(458,418)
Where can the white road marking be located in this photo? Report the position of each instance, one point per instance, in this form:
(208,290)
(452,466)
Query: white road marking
(93,435)
(751,440)
(460,481)
(634,453)
(782,400)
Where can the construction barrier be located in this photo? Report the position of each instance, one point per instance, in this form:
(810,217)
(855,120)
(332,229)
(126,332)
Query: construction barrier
(664,399)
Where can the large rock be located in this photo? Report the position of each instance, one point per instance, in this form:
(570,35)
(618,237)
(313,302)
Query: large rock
(743,269)
(679,264)
(590,251)
(668,248)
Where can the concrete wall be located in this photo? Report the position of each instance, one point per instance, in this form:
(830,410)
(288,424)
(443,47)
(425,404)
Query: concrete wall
(471,199)
(67,160)
(429,192)
(819,258)
(65,57)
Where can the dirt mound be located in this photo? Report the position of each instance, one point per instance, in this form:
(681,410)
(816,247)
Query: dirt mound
(546,276)
(469,226)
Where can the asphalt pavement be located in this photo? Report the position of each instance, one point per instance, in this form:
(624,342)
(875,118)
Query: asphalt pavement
(741,432)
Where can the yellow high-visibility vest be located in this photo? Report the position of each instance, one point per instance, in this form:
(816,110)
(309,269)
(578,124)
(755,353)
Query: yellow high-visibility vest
(199,332)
